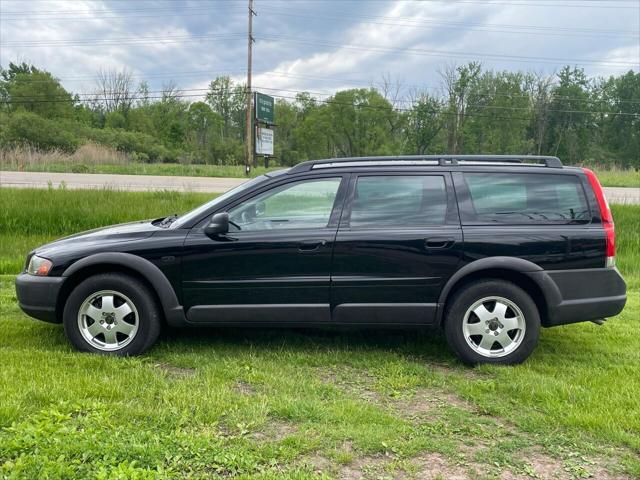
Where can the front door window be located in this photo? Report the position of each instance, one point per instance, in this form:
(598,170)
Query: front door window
(297,205)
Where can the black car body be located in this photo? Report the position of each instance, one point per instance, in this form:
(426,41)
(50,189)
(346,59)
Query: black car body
(384,241)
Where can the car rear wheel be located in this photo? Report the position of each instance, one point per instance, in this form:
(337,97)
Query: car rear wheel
(492,321)
(112,313)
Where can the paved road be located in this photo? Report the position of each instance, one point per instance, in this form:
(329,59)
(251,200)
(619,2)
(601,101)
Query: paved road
(118,182)
(182,184)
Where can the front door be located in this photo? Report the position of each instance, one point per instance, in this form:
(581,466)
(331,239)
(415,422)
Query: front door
(399,241)
(274,264)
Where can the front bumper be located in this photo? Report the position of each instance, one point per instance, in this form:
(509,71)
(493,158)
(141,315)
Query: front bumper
(583,295)
(37,296)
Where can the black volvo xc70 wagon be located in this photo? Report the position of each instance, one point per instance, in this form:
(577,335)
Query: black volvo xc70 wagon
(489,248)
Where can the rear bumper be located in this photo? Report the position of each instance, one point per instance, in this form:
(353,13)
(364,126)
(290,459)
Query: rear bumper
(37,296)
(582,295)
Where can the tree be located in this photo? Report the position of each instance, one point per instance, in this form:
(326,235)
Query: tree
(540,88)
(115,120)
(458,81)
(424,123)
(498,114)
(229,101)
(620,132)
(569,122)
(27,88)
(114,90)
(203,127)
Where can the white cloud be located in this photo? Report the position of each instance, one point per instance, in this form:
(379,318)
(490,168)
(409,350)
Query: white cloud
(390,27)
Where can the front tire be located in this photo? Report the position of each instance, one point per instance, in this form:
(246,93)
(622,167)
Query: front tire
(492,321)
(112,314)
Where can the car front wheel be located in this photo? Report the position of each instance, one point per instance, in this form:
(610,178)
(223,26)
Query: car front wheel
(111,313)
(492,321)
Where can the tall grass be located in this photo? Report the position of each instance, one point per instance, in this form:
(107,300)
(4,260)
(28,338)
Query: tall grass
(30,217)
(24,157)
(627,221)
(95,158)
(613,176)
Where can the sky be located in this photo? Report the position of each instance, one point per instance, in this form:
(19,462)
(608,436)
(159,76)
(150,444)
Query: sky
(315,45)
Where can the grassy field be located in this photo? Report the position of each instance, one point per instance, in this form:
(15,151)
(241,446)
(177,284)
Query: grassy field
(274,404)
(608,177)
(171,169)
(99,159)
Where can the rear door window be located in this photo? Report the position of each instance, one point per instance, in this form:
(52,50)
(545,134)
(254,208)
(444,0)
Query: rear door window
(399,200)
(524,198)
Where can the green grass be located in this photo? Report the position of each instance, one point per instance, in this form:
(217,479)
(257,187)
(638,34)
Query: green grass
(172,169)
(618,178)
(29,218)
(608,177)
(277,404)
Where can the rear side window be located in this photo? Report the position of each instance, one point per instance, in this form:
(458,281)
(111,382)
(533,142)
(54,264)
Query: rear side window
(524,198)
(399,201)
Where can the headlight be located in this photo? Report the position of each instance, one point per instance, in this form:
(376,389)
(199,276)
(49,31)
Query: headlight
(39,266)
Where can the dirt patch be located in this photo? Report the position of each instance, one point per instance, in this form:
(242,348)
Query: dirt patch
(434,466)
(274,431)
(244,388)
(467,372)
(423,402)
(366,468)
(427,402)
(544,466)
(355,382)
(175,372)
(426,405)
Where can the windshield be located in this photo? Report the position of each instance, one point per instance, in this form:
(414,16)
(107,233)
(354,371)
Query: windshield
(199,211)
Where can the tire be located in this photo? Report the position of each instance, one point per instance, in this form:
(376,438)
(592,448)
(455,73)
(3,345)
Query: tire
(112,314)
(487,310)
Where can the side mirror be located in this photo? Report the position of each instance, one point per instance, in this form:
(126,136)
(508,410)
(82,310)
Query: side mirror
(219,225)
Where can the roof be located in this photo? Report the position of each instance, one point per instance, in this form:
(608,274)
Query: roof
(441,160)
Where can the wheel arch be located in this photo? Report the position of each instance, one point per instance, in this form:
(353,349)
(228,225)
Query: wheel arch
(527,275)
(129,264)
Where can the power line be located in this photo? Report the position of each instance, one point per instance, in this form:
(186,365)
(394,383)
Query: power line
(361,106)
(430,87)
(407,22)
(317,42)
(110,10)
(99,97)
(439,24)
(441,53)
(126,40)
(334,79)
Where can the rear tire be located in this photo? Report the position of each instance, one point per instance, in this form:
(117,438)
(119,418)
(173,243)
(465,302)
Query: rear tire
(112,314)
(492,321)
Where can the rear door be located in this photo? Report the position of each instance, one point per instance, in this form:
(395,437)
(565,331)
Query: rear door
(398,242)
(541,217)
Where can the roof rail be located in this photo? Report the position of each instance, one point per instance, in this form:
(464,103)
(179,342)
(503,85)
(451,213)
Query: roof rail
(442,160)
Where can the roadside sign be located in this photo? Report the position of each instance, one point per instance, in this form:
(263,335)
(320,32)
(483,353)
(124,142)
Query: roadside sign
(264,141)
(264,107)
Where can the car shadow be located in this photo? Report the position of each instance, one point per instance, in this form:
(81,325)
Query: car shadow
(426,344)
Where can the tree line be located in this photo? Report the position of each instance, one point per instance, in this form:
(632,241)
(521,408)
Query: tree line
(582,120)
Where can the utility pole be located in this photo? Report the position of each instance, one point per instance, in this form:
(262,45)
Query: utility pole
(249,126)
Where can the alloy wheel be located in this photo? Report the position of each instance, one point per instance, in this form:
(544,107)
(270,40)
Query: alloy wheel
(108,320)
(494,327)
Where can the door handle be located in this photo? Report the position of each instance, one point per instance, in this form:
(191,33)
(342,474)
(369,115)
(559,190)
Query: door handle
(439,242)
(311,245)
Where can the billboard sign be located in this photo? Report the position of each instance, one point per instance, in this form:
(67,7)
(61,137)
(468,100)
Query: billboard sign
(264,141)
(264,107)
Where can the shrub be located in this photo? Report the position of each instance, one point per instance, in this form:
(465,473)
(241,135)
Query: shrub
(30,128)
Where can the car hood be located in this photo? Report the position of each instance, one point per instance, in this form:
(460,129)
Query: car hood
(124,232)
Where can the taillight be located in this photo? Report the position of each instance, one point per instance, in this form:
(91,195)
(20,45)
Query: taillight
(606,217)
